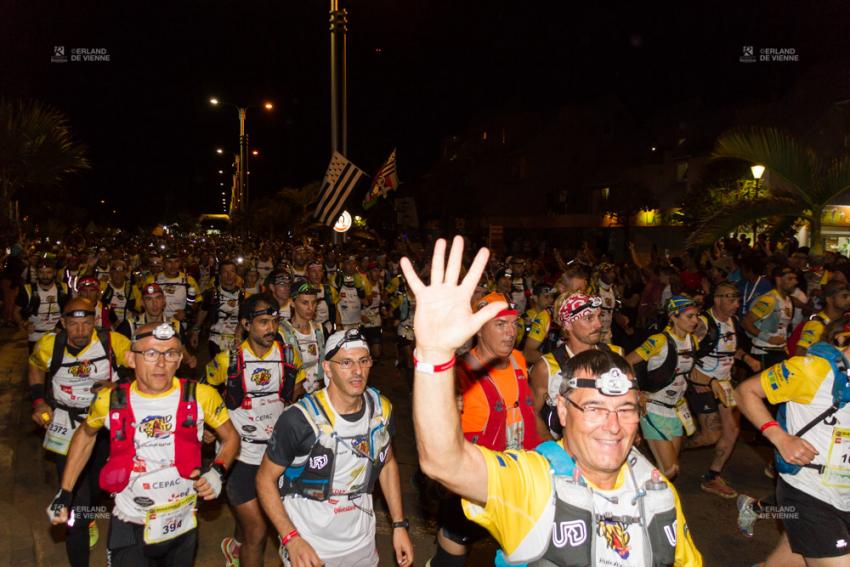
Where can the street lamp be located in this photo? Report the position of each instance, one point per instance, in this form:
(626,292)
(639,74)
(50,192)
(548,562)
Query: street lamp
(219,151)
(243,143)
(758,171)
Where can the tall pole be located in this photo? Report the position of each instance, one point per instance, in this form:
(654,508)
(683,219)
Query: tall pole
(242,161)
(339,78)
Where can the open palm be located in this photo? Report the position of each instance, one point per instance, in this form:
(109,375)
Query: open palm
(444,320)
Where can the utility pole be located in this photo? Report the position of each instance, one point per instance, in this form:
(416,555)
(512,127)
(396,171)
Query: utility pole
(339,78)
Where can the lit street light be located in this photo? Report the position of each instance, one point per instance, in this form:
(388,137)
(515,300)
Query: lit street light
(758,171)
(219,151)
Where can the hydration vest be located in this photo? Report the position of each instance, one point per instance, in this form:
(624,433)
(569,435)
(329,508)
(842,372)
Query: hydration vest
(34,301)
(840,398)
(313,476)
(577,529)
(235,388)
(58,356)
(708,344)
(292,339)
(655,380)
(115,474)
(494,436)
(106,298)
(215,305)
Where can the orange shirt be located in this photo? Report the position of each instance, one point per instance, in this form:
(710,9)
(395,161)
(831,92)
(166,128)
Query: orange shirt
(476,410)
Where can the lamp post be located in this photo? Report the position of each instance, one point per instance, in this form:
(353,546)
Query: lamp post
(758,171)
(242,111)
(339,78)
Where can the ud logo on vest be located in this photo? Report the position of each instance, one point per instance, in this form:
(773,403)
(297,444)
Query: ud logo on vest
(319,462)
(261,377)
(573,533)
(156,426)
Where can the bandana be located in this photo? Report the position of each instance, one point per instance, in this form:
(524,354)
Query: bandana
(679,303)
(87,281)
(151,289)
(304,288)
(578,305)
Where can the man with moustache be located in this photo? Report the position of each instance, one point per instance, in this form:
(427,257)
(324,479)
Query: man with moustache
(580,318)
(155,428)
(260,378)
(326,453)
(66,368)
(590,499)
(40,306)
(498,413)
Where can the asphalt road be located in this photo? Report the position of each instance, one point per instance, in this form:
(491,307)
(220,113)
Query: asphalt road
(28,483)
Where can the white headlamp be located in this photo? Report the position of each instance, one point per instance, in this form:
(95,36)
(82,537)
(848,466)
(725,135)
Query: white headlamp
(611,383)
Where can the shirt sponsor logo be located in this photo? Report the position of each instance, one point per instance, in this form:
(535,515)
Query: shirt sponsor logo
(82,369)
(143,501)
(156,426)
(616,536)
(249,428)
(573,533)
(670,532)
(261,377)
(160,484)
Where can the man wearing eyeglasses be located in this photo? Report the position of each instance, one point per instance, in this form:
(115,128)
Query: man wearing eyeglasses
(155,427)
(326,453)
(260,377)
(590,499)
(66,369)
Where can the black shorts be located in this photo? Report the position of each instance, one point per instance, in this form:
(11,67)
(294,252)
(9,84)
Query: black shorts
(701,403)
(126,547)
(373,335)
(242,483)
(455,525)
(815,528)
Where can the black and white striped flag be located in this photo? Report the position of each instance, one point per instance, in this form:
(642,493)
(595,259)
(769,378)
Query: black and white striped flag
(340,179)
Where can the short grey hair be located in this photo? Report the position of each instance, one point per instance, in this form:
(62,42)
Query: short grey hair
(597,362)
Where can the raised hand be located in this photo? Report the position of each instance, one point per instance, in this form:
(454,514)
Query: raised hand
(444,320)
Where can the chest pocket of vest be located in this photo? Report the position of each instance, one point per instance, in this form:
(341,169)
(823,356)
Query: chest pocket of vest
(572,527)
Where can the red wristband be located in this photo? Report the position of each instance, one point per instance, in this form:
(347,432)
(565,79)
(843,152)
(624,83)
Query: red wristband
(432,368)
(768,425)
(37,401)
(289,537)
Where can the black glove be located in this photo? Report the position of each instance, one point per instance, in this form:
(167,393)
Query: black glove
(61,500)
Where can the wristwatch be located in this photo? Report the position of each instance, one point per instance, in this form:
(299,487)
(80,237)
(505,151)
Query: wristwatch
(405,523)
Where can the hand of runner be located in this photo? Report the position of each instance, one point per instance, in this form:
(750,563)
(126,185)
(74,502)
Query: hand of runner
(39,412)
(302,554)
(444,320)
(208,486)
(58,509)
(403,547)
(753,363)
(795,450)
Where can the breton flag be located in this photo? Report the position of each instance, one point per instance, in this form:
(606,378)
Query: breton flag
(340,179)
(385,181)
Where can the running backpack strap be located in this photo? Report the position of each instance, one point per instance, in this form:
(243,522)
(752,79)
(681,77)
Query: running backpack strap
(560,355)
(561,462)
(234,390)
(60,341)
(712,337)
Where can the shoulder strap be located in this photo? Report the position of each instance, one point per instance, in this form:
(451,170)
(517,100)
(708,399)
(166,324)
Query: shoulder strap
(561,462)
(60,341)
(560,355)
(118,398)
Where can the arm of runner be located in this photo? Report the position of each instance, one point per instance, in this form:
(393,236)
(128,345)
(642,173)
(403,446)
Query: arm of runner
(442,324)
(750,396)
(391,489)
(37,376)
(538,380)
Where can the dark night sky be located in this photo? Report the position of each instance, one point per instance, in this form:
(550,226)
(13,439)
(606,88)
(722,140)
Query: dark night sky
(441,66)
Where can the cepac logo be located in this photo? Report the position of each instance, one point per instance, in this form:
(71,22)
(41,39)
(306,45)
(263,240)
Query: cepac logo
(261,377)
(156,426)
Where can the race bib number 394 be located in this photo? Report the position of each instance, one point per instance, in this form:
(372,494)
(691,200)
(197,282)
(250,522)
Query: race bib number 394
(169,521)
(837,471)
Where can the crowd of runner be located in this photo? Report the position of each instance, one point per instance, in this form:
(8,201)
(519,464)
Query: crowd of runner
(561,366)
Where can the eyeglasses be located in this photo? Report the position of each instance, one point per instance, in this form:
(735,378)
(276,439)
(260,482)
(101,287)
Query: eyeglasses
(348,363)
(152,355)
(597,415)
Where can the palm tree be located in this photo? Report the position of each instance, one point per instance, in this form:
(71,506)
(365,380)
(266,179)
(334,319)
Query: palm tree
(806,183)
(36,148)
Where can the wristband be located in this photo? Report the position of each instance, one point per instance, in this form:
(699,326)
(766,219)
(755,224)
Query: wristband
(426,368)
(37,401)
(289,537)
(768,425)
(36,393)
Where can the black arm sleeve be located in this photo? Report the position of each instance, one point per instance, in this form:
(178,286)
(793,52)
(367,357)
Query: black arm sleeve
(292,437)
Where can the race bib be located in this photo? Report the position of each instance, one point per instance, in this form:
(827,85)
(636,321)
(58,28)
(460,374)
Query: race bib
(837,472)
(168,521)
(683,412)
(59,432)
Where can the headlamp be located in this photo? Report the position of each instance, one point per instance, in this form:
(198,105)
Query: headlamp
(79,313)
(611,383)
(162,332)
